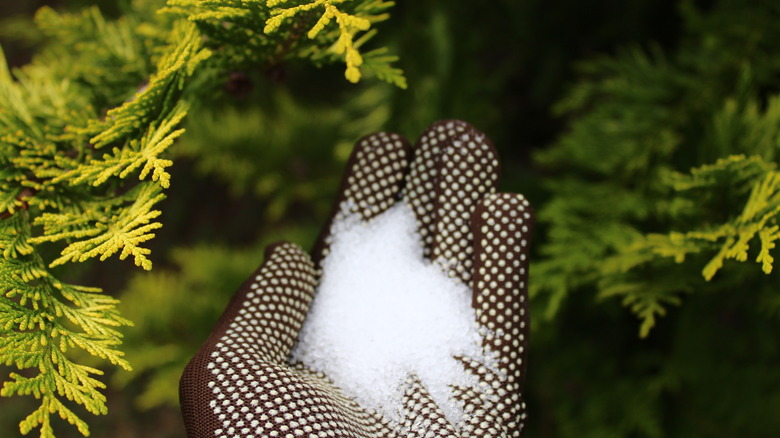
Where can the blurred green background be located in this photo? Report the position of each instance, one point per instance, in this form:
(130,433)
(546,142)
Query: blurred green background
(262,161)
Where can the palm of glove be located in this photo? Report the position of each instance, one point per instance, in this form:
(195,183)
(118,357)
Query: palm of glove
(240,383)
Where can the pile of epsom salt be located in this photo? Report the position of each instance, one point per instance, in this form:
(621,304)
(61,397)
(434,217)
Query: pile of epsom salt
(382,312)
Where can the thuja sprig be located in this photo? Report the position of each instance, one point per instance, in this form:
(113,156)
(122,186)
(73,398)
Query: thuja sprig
(349,25)
(85,133)
(55,189)
(42,319)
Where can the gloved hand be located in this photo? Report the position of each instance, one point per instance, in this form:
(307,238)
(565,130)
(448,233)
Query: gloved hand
(240,383)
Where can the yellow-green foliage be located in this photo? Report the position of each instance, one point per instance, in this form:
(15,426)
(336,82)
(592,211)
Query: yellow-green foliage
(42,319)
(669,168)
(85,132)
(348,24)
(251,32)
(757,220)
(662,199)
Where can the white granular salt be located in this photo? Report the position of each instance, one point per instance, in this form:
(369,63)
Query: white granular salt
(383,312)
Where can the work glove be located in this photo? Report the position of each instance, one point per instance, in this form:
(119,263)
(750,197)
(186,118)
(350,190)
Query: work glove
(242,382)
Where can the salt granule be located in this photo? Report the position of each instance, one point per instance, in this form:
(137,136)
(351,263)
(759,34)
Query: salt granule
(383,312)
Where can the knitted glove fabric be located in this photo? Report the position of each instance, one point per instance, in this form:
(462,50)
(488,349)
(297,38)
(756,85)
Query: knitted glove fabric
(240,383)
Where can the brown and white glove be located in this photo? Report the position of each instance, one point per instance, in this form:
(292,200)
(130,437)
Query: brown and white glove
(241,384)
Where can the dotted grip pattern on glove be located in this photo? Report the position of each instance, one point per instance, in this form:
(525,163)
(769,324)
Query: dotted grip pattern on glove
(240,383)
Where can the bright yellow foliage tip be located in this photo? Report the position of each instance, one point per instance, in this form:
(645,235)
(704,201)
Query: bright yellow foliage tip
(348,25)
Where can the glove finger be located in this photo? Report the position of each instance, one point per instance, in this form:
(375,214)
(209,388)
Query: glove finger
(371,183)
(261,321)
(422,417)
(502,225)
(422,180)
(445,188)
(492,408)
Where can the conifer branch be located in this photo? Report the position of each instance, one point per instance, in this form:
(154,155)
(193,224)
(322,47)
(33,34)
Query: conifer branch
(758,218)
(123,161)
(36,307)
(349,25)
(156,99)
(100,104)
(103,235)
(660,180)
